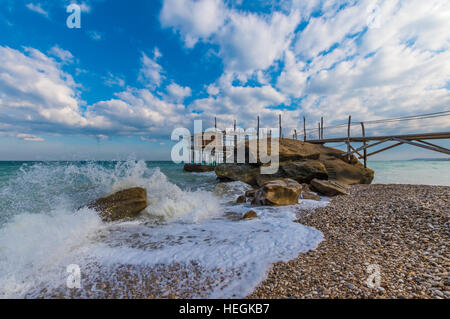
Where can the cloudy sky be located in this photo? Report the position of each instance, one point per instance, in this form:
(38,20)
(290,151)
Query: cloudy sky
(136,70)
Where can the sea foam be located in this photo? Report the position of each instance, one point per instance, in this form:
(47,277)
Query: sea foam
(180,226)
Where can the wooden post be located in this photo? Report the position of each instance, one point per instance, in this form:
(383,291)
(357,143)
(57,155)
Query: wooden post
(348,137)
(281,131)
(257,129)
(318,125)
(224,141)
(321,128)
(235,136)
(235,141)
(257,140)
(192,149)
(304,129)
(365,144)
(295,134)
(215,123)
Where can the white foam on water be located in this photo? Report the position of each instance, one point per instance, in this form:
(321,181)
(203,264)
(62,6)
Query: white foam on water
(190,226)
(34,246)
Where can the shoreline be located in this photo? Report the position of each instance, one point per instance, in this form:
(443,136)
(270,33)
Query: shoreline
(402,228)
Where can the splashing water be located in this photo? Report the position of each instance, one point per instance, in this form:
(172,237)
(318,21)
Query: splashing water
(188,241)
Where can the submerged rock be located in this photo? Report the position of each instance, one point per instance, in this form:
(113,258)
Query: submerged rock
(278,193)
(241,199)
(250,215)
(198,168)
(329,188)
(124,204)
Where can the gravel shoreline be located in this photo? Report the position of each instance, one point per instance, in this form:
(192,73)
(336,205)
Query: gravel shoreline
(403,229)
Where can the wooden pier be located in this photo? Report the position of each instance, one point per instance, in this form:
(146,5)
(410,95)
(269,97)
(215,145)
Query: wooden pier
(420,140)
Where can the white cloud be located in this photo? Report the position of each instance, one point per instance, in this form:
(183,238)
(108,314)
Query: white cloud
(95,35)
(323,32)
(29,137)
(193,19)
(34,90)
(292,80)
(242,103)
(151,73)
(37,8)
(37,97)
(136,112)
(178,92)
(63,55)
(250,42)
(113,80)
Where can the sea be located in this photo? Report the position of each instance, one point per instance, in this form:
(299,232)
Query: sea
(190,232)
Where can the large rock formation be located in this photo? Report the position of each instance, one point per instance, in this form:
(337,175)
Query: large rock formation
(301,162)
(278,193)
(123,204)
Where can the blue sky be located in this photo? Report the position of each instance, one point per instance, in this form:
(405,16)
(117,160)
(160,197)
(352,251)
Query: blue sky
(137,70)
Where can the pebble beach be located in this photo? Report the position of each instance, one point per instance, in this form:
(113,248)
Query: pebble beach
(401,229)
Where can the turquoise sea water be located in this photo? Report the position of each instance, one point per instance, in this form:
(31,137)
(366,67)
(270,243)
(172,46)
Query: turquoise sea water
(422,172)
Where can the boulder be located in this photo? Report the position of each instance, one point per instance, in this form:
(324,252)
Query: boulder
(250,215)
(124,204)
(278,193)
(241,199)
(198,168)
(329,188)
(246,173)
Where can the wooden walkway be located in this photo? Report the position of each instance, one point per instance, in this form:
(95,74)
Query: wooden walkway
(417,139)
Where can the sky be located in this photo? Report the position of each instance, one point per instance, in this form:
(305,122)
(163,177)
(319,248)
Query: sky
(136,70)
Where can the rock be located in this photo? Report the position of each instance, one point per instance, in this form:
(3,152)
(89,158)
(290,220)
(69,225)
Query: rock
(198,168)
(246,173)
(251,193)
(278,193)
(304,171)
(329,188)
(241,200)
(120,205)
(310,195)
(250,215)
(301,162)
